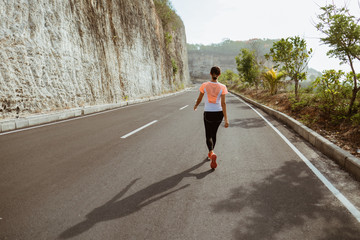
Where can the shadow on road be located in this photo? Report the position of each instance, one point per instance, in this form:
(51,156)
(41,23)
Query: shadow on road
(247,123)
(291,200)
(232,100)
(245,107)
(116,208)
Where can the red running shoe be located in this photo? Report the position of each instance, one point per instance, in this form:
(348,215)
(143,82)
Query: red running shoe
(209,155)
(213,163)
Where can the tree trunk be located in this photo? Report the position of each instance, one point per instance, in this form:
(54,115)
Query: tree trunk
(296,89)
(352,101)
(355,88)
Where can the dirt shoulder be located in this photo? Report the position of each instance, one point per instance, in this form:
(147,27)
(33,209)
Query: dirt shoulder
(344,134)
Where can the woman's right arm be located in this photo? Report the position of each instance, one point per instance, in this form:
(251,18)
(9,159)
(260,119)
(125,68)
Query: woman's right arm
(198,101)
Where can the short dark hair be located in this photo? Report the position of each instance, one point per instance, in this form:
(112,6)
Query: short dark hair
(215,72)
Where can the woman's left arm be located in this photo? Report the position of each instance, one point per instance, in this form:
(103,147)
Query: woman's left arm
(223,105)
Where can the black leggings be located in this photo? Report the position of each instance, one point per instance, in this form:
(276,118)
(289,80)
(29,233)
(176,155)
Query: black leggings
(212,122)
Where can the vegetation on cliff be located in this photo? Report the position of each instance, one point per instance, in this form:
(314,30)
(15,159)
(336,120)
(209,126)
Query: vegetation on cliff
(167,14)
(224,53)
(171,23)
(231,48)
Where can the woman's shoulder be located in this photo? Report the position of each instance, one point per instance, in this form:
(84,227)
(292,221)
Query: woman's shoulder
(204,84)
(202,87)
(222,85)
(224,88)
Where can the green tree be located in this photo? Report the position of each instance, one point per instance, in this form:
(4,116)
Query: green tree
(228,77)
(273,79)
(247,67)
(291,56)
(343,36)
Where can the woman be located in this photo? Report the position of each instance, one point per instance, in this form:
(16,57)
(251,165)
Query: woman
(214,111)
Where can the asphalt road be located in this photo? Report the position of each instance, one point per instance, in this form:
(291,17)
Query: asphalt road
(88,179)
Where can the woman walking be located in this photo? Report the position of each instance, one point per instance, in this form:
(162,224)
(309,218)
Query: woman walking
(214,111)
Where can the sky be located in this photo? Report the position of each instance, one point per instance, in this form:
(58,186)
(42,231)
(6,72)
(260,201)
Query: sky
(212,21)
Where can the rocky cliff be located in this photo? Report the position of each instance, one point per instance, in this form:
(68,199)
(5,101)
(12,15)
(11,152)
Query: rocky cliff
(73,53)
(201,63)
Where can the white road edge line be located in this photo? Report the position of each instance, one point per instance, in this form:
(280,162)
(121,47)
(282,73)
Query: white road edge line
(183,107)
(139,129)
(77,118)
(352,209)
(68,120)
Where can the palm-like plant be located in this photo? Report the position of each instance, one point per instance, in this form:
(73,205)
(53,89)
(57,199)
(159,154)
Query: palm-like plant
(273,79)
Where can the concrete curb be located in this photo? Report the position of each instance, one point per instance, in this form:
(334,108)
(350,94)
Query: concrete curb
(346,160)
(14,124)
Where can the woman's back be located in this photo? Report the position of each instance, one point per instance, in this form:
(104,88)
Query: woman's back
(212,92)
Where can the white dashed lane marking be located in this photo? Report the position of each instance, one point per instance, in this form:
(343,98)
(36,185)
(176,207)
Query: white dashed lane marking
(139,129)
(183,107)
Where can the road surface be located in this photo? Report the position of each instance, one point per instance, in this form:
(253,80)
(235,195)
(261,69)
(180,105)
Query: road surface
(140,172)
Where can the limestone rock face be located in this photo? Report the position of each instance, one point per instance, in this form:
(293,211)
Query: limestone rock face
(200,64)
(65,54)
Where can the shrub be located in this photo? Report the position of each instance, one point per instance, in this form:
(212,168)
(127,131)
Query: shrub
(228,77)
(273,80)
(298,104)
(333,90)
(355,119)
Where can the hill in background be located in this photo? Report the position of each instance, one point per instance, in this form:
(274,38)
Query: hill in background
(203,57)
